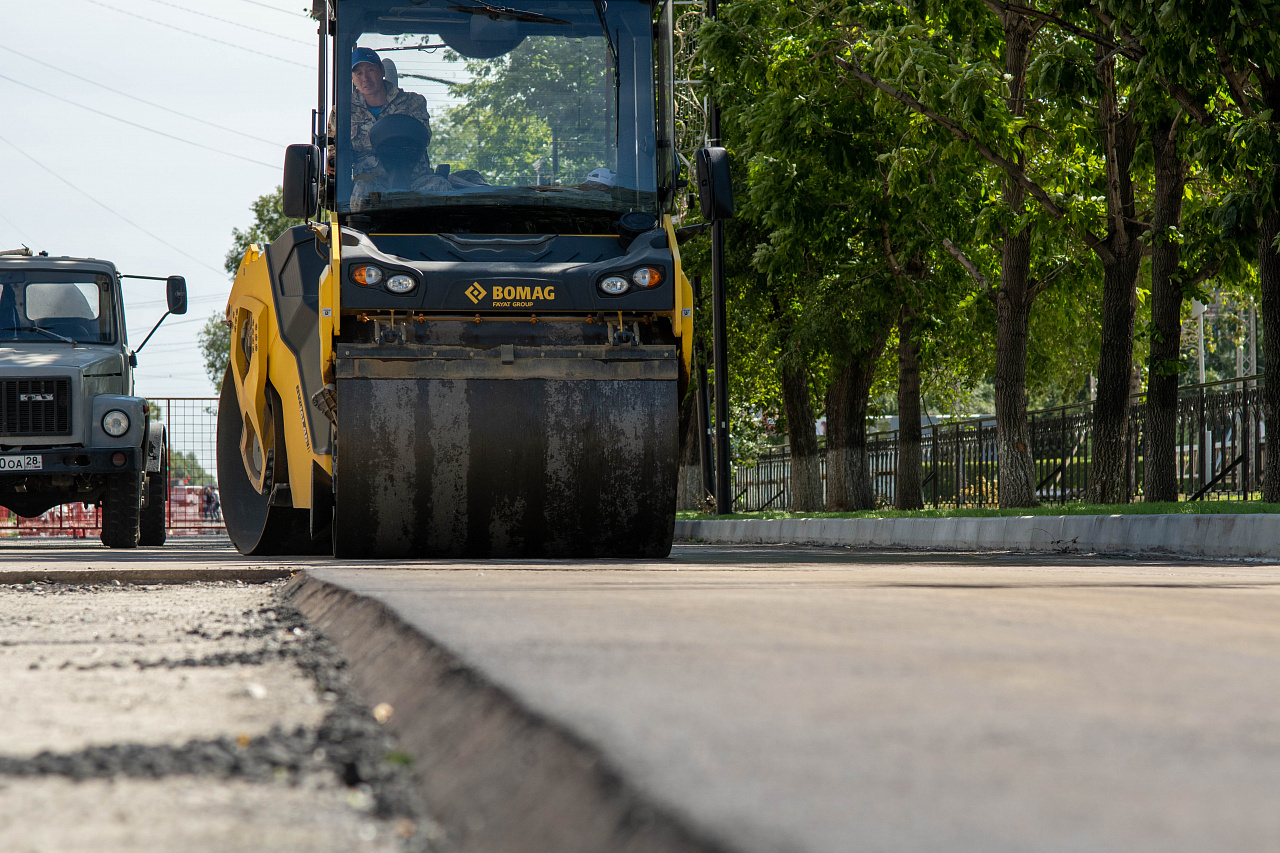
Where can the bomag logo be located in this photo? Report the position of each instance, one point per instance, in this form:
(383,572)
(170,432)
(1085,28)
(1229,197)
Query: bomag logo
(515,296)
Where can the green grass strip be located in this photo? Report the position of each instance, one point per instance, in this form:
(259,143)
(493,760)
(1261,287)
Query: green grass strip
(1172,508)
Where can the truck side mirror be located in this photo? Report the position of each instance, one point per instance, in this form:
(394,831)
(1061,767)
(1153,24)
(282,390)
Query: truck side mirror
(176,293)
(715,187)
(301,181)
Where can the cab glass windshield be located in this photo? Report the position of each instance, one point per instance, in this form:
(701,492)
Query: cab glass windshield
(460,103)
(53,306)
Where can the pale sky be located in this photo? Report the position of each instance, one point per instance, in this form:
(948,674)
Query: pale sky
(234,66)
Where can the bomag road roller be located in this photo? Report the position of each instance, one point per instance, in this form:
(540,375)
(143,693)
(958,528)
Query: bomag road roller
(477,343)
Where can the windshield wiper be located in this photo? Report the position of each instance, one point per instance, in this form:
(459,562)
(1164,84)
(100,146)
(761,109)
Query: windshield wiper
(48,332)
(617,72)
(499,13)
(604,25)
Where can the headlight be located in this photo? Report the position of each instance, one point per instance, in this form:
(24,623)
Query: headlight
(615,285)
(401,283)
(115,423)
(366,276)
(647,277)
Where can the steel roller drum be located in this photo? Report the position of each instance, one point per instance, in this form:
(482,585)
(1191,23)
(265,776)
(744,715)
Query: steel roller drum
(539,467)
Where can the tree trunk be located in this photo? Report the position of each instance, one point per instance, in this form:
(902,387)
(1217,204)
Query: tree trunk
(849,486)
(1107,481)
(1122,258)
(1160,474)
(1269,278)
(689,494)
(1015,465)
(806,475)
(908,492)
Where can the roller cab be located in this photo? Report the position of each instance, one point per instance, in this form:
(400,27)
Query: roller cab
(477,344)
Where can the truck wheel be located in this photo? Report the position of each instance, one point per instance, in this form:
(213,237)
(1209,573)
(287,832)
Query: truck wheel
(121,508)
(152,522)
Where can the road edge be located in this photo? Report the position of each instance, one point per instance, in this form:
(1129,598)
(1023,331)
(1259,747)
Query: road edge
(159,575)
(499,777)
(1225,536)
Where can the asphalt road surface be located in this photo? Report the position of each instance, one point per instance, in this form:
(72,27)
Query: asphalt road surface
(797,699)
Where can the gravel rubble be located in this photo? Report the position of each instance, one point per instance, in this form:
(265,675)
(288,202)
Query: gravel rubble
(213,692)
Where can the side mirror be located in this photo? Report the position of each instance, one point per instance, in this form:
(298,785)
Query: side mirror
(176,293)
(715,187)
(301,181)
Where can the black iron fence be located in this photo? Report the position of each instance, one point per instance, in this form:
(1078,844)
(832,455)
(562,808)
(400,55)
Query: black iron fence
(1221,442)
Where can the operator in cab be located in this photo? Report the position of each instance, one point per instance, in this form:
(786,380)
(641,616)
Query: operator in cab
(373,98)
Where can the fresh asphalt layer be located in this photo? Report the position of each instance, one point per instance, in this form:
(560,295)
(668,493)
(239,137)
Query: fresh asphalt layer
(804,699)
(782,698)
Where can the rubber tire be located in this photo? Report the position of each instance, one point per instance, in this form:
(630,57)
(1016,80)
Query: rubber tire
(152,531)
(121,510)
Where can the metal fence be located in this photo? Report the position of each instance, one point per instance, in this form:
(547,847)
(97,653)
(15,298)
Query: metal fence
(1221,442)
(194,505)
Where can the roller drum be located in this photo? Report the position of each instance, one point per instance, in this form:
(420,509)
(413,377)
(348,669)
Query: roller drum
(479,467)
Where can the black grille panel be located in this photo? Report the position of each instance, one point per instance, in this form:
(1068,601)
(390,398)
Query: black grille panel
(35,407)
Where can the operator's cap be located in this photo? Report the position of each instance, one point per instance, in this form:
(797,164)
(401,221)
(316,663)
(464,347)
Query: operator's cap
(365,54)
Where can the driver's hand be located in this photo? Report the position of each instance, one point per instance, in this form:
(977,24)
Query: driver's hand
(329,169)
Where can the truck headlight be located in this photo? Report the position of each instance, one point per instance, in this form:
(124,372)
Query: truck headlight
(401,283)
(615,285)
(366,275)
(115,423)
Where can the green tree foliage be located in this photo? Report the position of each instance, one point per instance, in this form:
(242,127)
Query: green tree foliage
(961,161)
(186,469)
(269,222)
(547,99)
(215,347)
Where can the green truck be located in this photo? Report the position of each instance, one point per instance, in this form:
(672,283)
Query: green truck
(71,428)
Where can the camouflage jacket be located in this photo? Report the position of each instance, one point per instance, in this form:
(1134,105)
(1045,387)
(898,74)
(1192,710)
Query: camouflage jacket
(398,101)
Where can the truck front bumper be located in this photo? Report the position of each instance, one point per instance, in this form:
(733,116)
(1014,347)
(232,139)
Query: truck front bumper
(69,460)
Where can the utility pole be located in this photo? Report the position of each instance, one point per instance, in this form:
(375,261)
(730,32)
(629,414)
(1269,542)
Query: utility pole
(720,350)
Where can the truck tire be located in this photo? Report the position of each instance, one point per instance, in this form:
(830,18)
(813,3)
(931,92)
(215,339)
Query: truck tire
(151,527)
(121,510)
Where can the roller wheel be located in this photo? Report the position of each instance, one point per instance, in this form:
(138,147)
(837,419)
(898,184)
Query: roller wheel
(254,525)
(152,522)
(121,510)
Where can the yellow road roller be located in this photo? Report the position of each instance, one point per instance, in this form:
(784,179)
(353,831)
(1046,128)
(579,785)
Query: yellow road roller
(477,343)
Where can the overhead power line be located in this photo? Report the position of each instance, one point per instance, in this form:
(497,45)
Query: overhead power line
(110,210)
(275,8)
(226,21)
(23,234)
(139,126)
(200,35)
(141,100)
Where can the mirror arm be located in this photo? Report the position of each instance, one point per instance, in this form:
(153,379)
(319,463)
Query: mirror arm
(150,333)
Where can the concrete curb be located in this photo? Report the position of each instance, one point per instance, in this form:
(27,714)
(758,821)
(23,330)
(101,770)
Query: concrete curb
(1254,536)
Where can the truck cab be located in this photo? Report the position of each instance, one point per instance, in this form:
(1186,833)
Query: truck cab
(71,428)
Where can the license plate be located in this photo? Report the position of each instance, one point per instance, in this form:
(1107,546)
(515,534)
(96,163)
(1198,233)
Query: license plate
(26,462)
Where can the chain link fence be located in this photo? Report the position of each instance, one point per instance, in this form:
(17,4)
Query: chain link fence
(194,506)
(1221,446)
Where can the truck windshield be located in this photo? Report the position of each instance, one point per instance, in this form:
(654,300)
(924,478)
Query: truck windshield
(48,306)
(463,103)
